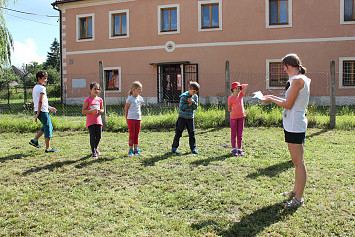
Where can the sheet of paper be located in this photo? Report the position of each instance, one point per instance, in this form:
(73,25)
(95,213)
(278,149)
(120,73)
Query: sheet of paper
(258,95)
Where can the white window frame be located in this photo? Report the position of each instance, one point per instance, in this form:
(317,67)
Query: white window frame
(177,6)
(342,22)
(110,24)
(119,77)
(268,61)
(92,15)
(267,16)
(200,3)
(341,60)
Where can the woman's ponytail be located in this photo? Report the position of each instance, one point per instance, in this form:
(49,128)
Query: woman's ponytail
(302,69)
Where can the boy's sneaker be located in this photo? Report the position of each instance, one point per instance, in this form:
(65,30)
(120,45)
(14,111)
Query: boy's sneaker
(234,152)
(35,143)
(194,151)
(174,151)
(240,152)
(137,152)
(51,150)
(94,155)
(130,153)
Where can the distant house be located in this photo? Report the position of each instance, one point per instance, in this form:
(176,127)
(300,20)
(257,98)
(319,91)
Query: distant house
(167,43)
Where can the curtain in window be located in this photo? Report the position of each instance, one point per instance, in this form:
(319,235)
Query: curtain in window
(348,10)
(173,14)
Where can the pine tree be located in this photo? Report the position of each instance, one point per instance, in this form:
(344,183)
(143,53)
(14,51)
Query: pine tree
(53,57)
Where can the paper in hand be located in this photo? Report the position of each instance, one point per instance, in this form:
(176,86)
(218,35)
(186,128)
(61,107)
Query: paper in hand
(258,95)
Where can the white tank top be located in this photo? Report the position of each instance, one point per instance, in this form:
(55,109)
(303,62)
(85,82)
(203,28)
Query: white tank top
(294,119)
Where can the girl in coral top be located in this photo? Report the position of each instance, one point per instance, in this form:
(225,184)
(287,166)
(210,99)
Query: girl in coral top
(236,107)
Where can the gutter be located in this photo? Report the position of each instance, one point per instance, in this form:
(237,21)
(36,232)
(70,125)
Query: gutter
(61,51)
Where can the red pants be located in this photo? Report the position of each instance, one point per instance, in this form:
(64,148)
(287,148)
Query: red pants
(134,126)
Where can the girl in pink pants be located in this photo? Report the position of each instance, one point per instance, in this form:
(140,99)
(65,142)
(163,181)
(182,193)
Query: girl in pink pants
(236,107)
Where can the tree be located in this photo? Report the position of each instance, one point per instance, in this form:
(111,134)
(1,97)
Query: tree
(53,57)
(6,42)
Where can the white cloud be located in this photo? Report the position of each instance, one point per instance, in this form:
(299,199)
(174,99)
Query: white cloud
(25,53)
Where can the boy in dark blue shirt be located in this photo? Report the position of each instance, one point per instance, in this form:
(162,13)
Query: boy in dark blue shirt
(188,104)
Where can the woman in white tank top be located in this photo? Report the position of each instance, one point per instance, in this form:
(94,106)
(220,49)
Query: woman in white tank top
(294,122)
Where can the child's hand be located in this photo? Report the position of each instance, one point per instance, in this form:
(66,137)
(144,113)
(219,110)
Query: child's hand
(54,110)
(191,101)
(36,116)
(95,111)
(266,99)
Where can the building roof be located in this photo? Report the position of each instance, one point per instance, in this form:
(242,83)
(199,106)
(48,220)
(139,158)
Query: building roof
(64,1)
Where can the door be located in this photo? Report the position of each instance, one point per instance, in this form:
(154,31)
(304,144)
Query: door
(170,83)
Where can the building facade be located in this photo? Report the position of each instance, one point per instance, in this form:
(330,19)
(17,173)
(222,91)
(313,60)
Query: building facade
(166,43)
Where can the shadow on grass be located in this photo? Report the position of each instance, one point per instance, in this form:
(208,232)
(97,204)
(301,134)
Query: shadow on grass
(54,165)
(253,224)
(324,130)
(210,130)
(207,161)
(15,156)
(271,171)
(154,159)
(87,163)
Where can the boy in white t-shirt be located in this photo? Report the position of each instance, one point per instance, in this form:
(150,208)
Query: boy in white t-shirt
(41,109)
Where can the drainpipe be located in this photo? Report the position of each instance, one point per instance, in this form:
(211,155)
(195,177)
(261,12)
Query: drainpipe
(61,51)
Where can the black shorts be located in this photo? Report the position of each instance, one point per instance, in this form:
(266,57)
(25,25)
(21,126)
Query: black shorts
(295,137)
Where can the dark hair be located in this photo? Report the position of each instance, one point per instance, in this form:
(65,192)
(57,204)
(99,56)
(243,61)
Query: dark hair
(135,84)
(41,74)
(294,61)
(194,85)
(92,84)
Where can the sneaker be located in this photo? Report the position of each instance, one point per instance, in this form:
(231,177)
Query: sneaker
(130,153)
(98,152)
(35,143)
(194,151)
(94,155)
(137,152)
(234,152)
(174,151)
(240,152)
(51,150)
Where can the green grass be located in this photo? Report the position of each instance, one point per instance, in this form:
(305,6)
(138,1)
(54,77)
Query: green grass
(211,194)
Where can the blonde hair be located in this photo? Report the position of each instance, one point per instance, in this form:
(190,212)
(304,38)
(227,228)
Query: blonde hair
(135,85)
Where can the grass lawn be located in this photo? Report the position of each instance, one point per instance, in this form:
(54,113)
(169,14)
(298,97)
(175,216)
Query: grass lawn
(211,194)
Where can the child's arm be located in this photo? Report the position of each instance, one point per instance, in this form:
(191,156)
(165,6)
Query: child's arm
(40,103)
(126,109)
(54,110)
(101,111)
(194,104)
(244,88)
(85,110)
(184,103)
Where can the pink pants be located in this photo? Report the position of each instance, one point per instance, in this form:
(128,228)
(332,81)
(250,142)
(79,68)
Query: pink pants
(134,126)
(237,127)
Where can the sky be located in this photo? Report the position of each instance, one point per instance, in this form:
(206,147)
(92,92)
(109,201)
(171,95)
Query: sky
(34,35)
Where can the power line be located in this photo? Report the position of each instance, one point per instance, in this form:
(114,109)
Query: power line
(30,19)
(28,13)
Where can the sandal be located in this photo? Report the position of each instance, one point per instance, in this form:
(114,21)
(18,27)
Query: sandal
(294,203)
(290,194)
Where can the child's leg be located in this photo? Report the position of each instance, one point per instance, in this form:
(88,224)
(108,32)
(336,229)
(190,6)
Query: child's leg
(47,128)
(48,142)
(240,128)
(92,137)
(191,129)
(180,126)
(131,128)
(39,134)
(98,134)
(136,135)
(233,132)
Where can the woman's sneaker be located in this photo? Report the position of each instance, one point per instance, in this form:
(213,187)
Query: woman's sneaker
(98,152)
(137,152)
(234,152)
(94,155)
(130,153)
(240,152)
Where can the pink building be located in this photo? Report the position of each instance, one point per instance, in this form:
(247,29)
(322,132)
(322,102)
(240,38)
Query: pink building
(166,43)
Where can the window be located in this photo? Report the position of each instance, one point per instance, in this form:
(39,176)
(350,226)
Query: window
(276,77)
(113,79)
(349,73)
(278,13)
(119,24)
(349,10)
(169,19)
(210,15)
(85,27)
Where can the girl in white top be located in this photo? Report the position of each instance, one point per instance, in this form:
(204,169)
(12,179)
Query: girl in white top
(294,122)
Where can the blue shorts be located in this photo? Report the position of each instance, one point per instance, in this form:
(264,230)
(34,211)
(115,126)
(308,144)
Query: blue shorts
(47,124)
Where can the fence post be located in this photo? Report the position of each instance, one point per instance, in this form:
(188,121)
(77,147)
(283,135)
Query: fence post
(103,94)
(227,92)
(332,94)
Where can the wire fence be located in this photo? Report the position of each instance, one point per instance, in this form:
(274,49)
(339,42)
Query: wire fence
(161,91)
